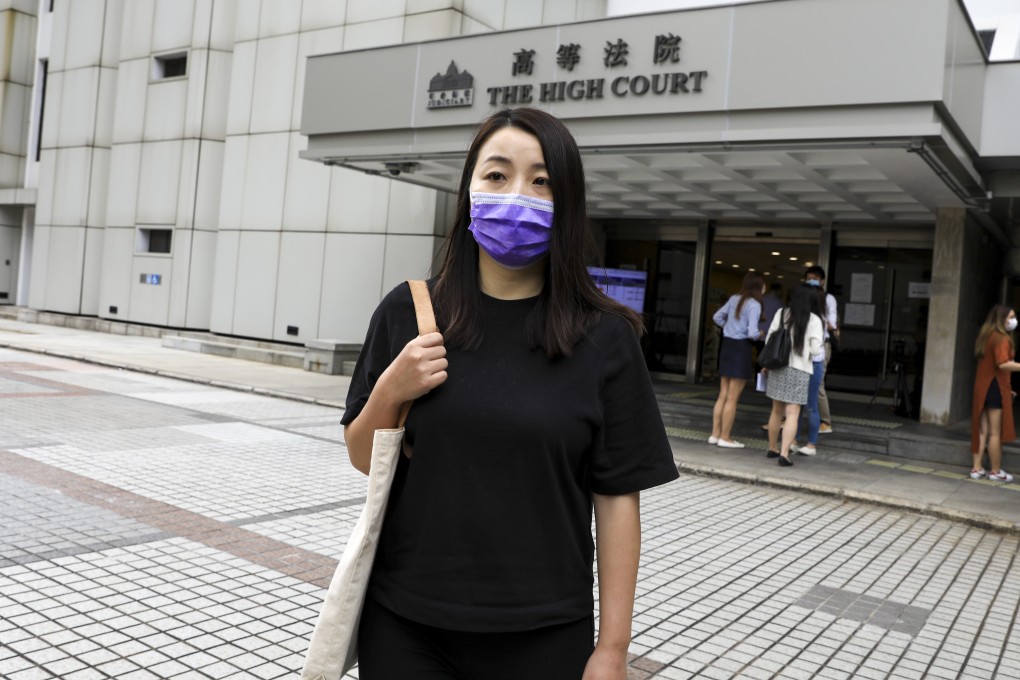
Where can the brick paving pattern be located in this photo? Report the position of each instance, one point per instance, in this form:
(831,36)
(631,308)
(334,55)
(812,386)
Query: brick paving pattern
(151,528)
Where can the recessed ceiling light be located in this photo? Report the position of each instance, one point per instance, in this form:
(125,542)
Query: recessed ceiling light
(768,273)
(751,269)
(736,266)
(776,252)
(718,261)
(780,276)
(793,259)
(809,264)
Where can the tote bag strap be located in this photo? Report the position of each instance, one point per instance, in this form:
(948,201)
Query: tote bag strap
(426,324)
(423,307)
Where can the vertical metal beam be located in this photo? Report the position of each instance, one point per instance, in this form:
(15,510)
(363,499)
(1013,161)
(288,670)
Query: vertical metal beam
(699,294)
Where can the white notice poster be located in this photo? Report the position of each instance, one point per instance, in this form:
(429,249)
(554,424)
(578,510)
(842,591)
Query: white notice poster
(860,287)
(916,289)
(859,315)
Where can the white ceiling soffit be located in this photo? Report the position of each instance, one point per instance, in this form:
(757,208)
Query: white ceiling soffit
(868,184)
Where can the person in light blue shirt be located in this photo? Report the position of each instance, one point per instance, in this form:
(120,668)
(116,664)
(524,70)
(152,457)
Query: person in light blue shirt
(739,320)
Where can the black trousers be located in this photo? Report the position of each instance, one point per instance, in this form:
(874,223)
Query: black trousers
(391,647)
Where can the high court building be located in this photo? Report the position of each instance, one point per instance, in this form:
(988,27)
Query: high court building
(269,169)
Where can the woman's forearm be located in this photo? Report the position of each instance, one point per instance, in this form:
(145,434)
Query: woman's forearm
(379,413)
(618,548)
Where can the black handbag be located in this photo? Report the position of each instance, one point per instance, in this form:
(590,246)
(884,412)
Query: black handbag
(777,349)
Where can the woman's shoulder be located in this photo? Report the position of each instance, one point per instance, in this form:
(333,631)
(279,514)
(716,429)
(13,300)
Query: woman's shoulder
(996,338)
(395,307)
(399,297)
(610,323)
(610,329)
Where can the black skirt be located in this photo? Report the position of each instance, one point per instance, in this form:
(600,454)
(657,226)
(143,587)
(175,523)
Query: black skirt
(735,359)
(993,398)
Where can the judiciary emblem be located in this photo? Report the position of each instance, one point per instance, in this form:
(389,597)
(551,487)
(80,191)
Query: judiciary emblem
(456,88)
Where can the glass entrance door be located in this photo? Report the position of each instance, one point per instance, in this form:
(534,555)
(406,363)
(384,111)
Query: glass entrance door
(882,295)
(670,324)
(668,296)
(781,264)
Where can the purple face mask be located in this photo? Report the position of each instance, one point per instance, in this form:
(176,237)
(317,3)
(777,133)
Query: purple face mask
(514,230)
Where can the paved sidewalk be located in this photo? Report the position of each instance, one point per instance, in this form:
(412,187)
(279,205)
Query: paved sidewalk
(939,490)
(152,528)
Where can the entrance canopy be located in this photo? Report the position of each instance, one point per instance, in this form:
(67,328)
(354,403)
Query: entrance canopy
(856,111)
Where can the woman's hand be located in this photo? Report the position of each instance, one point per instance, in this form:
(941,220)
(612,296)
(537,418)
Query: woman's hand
(418,369)
(606,664)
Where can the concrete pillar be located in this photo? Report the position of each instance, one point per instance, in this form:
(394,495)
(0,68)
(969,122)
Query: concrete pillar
(965,268)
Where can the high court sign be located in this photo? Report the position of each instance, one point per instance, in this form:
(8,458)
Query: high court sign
(768,73)
(633,65)
(615,54)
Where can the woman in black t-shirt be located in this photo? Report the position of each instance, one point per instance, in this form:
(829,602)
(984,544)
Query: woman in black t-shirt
(531,410)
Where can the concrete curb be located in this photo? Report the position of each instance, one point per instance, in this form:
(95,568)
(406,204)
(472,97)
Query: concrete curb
(974,519)
(236,387)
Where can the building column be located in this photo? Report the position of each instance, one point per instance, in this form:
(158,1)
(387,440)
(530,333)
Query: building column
(965,269)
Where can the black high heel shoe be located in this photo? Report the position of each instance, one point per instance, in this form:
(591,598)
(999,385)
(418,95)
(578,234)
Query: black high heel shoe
(785,462)
(772,454)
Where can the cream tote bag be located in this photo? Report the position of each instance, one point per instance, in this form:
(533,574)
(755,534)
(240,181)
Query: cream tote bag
(334,646)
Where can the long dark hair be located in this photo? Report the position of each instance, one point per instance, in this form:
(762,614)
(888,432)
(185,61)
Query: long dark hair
(750,288)
(803,303)
(570,303)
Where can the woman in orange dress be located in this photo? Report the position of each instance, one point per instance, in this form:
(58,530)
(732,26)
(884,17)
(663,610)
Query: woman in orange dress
(992,412)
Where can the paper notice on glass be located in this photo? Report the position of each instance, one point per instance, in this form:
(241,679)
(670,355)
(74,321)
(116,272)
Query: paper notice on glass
(859,315)
(918,289)
(860,287)
(763,379)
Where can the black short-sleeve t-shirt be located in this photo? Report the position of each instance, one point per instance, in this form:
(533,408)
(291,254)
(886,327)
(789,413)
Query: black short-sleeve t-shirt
(489,524)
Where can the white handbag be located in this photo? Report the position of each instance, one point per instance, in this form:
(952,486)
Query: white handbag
(333,649)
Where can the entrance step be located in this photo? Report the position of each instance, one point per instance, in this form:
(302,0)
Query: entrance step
(321,356)
(83,323)
(859,433)
(330,357)
(279,354)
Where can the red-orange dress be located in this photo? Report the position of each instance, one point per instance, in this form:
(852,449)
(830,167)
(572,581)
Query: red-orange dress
(997,351)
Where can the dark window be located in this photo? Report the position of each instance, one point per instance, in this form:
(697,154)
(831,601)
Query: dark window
(987,38)
(159,240)
(170,66)
(154,240)
(178,66)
